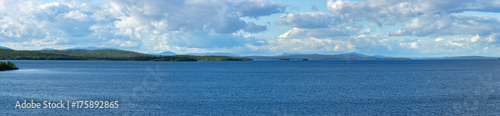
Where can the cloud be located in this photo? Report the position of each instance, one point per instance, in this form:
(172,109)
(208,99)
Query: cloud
(494,38)
(257,8)
(307,45)
(77,15)
(439,39)
(379,12)
(428,18)
(308,20)
(340,39)
(313,7)
(392,11)
(26,21)
(372,44)
(410,44)
(219,16)
(442,24)
(129,44)
(185,26)
(298,33)
(127,23)
(253,28)
(471,45)
(419,18)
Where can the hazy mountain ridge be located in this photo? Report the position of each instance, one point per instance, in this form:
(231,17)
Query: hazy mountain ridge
(1,47)
(467,57)
(47,49)
(90,48)
(117,53)
(214,54)
(169,53)
(166,53)
(344,56)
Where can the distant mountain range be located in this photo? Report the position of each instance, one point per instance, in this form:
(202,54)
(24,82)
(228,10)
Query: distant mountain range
(90,48)
(1,47)
(213,54)
(166,53)
(354,56)
(466,57)
(344,56)
(48,49)
(354,53)
(169,53)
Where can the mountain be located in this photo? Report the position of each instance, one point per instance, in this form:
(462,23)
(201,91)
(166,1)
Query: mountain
(47,49)
(380,56)
(467,57)
(166,53)
(353,54)
(344,56)
(1,47)
(292,54)
(88,48)
(214,54)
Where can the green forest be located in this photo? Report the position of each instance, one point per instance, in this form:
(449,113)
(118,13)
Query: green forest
(7,66)
(104,54)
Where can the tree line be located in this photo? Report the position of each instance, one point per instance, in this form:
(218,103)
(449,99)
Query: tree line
(7,66)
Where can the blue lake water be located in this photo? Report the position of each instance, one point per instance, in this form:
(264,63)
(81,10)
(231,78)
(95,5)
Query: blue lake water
(405,87)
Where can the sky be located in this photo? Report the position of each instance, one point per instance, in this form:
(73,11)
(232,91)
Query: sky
(402,28)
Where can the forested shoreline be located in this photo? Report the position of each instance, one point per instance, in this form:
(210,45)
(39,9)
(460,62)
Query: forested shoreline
(104,54)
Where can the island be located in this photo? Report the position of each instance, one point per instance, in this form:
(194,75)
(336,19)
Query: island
(305,59)
(7,66)
(284,59)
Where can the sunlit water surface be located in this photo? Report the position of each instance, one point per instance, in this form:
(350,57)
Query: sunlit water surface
(421,87)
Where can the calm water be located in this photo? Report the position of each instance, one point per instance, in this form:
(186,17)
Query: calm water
(420,87)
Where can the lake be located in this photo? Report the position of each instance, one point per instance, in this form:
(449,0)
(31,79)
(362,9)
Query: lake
(380,87)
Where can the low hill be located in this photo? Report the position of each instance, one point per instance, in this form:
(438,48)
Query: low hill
(101,53)
(8,54)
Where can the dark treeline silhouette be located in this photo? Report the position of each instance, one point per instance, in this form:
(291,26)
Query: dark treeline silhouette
(284,59)
(7,66)
(103,54)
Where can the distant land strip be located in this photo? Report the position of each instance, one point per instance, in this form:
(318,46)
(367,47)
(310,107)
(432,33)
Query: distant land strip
(123,55)
(104,54)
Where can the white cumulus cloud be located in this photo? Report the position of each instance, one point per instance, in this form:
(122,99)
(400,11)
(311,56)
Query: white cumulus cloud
(308,20)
